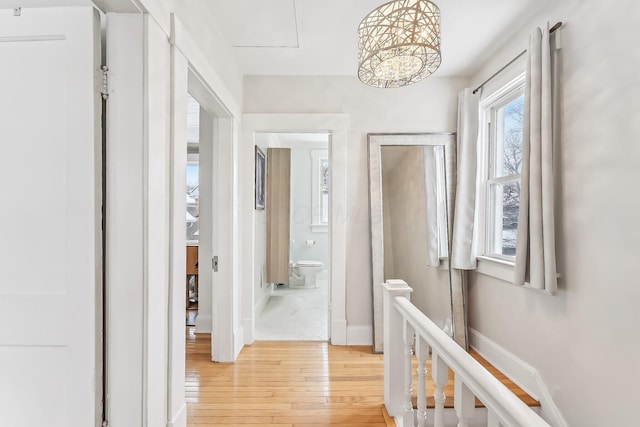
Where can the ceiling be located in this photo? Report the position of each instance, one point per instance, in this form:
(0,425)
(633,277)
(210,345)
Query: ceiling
(318,37)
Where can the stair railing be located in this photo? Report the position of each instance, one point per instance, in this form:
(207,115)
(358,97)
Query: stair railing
(406,328)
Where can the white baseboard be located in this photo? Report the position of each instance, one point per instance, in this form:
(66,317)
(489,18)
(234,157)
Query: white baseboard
(518,371)
(204,324)
(524,375)
(262,301)
(359,335)
(249,331)
(238,341)
(180,419)
(339,332)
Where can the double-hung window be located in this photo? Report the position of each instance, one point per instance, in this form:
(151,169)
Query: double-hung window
(320,190)
(500,163)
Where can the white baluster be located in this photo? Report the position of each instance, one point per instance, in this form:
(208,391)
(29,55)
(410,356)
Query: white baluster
(422,352)
(464,402)
(407,416)
(394,356)
(492,419)
(440,375)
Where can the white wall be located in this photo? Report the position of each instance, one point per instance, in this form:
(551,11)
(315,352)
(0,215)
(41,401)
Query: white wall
(427,106)
(405,220)
(585,340)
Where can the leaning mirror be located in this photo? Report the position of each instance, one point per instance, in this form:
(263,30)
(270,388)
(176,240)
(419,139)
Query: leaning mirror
(411,188)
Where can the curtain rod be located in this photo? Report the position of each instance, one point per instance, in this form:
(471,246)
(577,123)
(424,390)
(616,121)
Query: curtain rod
(551,31)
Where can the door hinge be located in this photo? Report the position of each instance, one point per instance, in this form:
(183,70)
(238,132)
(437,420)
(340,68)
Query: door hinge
(214,263)
(104,86)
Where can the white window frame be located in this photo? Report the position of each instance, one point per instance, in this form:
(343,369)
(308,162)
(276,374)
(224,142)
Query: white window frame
(491,263)
(317,156)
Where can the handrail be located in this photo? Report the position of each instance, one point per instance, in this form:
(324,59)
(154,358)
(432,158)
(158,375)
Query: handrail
(482,383)
(402,321)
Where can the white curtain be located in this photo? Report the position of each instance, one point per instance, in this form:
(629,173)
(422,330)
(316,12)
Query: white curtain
(463,253)
(535,250)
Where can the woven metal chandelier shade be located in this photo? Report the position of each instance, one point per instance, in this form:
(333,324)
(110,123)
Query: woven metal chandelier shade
(399,43)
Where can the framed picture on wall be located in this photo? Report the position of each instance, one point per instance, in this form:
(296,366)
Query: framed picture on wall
(260,178)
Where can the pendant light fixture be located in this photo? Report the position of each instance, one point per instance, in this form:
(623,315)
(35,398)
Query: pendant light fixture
(399,43)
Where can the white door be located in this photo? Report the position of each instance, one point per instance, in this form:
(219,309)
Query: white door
(50,198)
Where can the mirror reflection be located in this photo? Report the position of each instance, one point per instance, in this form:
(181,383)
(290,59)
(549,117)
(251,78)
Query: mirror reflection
(415,226)
(411,178)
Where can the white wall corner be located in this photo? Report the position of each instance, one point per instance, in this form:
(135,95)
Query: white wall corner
(204,324)
(339,332)
(180,419)
(359,335)
(520,372)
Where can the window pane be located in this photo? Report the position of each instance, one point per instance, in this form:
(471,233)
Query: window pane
(505,203)
(325,208)
(509,138)
(193,198)
(324,191)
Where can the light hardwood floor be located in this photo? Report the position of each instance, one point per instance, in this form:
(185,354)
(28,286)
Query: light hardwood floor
(291,384)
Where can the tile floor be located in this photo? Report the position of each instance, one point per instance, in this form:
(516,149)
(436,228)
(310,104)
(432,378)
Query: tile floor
(295,314)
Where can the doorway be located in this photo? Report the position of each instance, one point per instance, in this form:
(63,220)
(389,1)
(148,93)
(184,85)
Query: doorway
(297,308)
(336,125)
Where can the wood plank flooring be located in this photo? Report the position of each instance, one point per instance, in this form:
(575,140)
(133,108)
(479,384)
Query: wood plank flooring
(285,384)
(291,384)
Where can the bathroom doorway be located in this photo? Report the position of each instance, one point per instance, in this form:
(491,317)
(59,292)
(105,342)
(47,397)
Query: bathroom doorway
(298,308)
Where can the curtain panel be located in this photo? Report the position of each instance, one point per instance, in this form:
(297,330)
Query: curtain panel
(464,251)
(535,250)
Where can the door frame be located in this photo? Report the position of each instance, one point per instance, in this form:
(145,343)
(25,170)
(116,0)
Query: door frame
(192,73)
(337,125)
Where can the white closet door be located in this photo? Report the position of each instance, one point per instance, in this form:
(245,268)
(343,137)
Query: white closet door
(50,256)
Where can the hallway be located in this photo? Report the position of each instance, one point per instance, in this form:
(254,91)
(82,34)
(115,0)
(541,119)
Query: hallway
(285,384)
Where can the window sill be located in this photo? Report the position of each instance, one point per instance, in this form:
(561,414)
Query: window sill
(319,228)
(495,267)
(503,270)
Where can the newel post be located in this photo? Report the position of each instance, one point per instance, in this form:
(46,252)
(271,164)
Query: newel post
(394,351)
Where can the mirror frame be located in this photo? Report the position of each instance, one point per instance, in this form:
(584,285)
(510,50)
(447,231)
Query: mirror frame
(376,142)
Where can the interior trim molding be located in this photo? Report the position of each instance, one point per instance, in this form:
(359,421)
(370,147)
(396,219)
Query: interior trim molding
(238,340)
(339,332)
(203,324)
(180,419)
(359,335)
(520,372)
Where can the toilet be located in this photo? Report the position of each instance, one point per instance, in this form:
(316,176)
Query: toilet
(304,272)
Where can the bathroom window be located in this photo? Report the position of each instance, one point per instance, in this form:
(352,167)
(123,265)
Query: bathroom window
(320,190)
(500,161)
(324,191)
